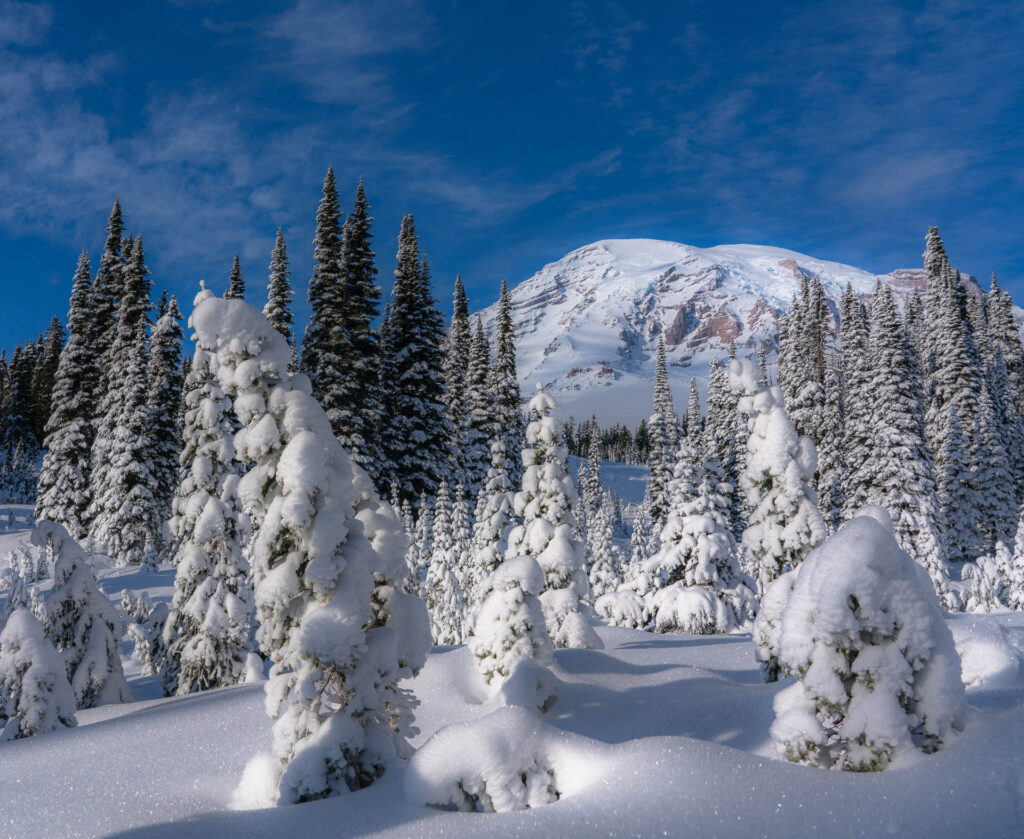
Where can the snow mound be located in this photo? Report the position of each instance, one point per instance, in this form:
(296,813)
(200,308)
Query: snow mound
(508,760)
(988,655)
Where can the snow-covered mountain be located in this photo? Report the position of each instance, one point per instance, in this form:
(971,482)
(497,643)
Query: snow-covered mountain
(588,324)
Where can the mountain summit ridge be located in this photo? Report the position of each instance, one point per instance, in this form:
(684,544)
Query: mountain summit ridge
(588,323)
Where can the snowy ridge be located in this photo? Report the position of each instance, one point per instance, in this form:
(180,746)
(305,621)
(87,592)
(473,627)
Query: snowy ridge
(592,319)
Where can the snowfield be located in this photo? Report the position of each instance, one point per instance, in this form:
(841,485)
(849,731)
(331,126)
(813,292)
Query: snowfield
(653,735)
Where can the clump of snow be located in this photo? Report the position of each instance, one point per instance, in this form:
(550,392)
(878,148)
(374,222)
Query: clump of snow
(877,672)
(508,760)
(988,655)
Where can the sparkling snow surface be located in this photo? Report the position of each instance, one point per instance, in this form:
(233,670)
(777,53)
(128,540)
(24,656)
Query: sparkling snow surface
(654,735)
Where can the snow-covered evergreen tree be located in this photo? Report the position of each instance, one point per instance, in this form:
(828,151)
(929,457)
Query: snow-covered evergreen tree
(832,466)
(106,292)
(417,427)
(898,463)
(444,586)
(63,489)
(456,374)
(495,517)
(857,400)
(147,634)
(35,696)
(165,393)
(326,343)
(504,387)
(956,489)
(124,512)
(479,425)
(278,308)
(664,430)
(877,672)
(784,523)
(359,422)
(720,433)
(510,641)
(207,630)
(605,570)
(547,505)
(82,622)
(327,561)
(236,285)
(693,583)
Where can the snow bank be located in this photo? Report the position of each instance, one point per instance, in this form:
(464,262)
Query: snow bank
(509,760)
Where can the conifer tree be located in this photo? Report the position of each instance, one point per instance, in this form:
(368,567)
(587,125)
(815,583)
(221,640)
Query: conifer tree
(278,309)
(124,511)
(327,563)
(81,622)
(456,376)
(325,344)
(857,400)
(664,428)
(444,588)
(207,630)
(784,523)
(720,437)
(605,571)
(44,375)
(163,398)
(956,489)
(417,428)
(63,487)
(832,466)
(35,696)
(898,462)
(495,517)
(236,285)
(361,408)
(479,425)
(105,297)
(547,504)
(508,414)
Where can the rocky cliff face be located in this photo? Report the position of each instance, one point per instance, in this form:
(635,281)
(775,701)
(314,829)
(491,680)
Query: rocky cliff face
(588,324)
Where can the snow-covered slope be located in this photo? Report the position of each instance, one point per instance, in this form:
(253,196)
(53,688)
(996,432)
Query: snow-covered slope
(588,324)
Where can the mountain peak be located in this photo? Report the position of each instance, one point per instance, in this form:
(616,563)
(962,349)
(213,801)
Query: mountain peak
(588,324)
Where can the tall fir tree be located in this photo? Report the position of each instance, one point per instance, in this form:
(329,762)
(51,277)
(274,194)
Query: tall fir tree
(207,630)
(163,399)
(898,458)
(664,428)
(857,399)
(360,417)
(456,376)
(124,520)
(63,494)
(508,413)
(236,285)
(106,295)
(417,427)
(832,465)
(278,309)
(479,424)
(44,375)
(325,344)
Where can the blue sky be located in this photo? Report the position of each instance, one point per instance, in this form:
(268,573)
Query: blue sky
(515,131)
